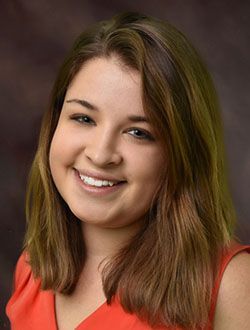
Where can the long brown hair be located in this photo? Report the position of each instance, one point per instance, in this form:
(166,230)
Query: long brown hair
(166,272)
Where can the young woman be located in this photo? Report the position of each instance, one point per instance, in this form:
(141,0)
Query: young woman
(130,220)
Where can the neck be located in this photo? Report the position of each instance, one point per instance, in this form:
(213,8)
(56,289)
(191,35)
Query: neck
(103,242)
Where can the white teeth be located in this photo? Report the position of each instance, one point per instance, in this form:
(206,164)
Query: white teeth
(97,183)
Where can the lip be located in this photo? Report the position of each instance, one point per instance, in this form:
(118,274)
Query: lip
(99,176)
(98,191)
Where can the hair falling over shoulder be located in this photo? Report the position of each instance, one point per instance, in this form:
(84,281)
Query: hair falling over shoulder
(165,274)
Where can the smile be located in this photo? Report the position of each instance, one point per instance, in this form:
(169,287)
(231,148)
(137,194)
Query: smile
(96,183)
(98,188)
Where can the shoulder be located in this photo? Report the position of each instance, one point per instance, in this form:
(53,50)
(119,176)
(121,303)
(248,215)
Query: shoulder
(22,282)
(233,301)
(22,271)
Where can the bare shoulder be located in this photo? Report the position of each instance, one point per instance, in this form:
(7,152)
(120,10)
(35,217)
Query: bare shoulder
(233,302)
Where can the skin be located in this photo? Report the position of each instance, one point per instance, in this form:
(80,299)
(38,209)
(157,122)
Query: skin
(107,142)
(233,302)
(109,145)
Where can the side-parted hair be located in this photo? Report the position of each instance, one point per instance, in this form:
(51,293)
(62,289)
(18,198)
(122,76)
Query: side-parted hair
(165,273)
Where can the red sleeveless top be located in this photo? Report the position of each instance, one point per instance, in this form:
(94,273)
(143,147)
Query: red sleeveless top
(30,308)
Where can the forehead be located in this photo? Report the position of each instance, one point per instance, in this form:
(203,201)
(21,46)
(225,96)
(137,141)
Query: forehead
(108,81)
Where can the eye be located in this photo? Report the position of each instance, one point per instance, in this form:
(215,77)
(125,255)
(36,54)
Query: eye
(141,134)
(82,119)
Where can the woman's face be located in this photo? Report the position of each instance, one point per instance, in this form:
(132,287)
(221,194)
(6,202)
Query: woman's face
(103,158)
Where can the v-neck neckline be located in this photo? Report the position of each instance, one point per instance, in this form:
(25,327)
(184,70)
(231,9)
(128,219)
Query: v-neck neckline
(82,322)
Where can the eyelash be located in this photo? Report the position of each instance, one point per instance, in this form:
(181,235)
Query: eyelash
(145,136)
(79,118)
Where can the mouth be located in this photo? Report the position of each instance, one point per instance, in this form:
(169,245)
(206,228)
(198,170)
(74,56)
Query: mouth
(100,184)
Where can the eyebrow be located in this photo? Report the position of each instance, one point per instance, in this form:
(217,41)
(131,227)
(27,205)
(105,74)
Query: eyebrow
(86,104)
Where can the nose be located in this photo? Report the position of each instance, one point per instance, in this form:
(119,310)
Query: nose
(102,150)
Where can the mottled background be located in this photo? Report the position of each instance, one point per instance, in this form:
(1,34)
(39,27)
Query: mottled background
(34,38)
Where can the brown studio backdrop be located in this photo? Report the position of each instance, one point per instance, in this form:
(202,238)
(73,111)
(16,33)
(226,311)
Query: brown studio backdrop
(34,38)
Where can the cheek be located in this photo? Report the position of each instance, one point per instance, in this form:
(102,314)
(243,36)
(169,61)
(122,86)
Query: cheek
(63,148)
(56,149)
(148,166)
